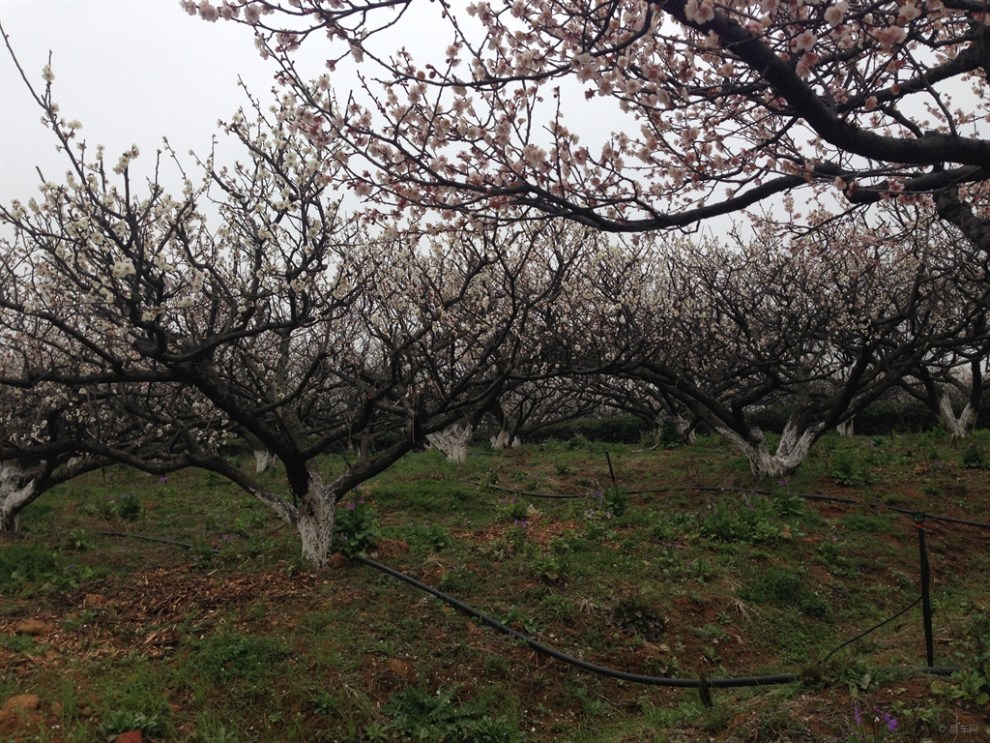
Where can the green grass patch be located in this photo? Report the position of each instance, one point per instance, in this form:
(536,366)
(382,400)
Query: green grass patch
(680,568)
(785,587)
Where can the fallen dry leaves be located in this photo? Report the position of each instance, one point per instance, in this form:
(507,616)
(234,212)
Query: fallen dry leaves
(142,615)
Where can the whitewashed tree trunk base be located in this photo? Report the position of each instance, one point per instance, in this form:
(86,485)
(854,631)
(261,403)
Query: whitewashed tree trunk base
(315,523)
(959,426)
(791,451)
(504,440)
(452,441)
(263,460)
(500,440)
(13,498)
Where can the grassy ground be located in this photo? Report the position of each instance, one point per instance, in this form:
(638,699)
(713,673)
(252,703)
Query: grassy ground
(228,637)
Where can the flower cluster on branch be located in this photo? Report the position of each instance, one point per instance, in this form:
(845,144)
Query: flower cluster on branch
(707,107)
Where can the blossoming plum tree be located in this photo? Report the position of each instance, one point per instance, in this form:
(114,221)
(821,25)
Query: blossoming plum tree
(817,327)
(43,454)
(161,330)
(708,107)
(538,404)
(953,377)
(953,385)
(156,330)
(701,108)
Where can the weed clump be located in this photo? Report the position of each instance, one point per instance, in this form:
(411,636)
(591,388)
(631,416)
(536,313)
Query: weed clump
(26,567)
(416,714)
(231,657)
(356,528)
(972,681)
(974,458)
(786,588)
(756,521)
(848,471)
(122,507)
(637,615)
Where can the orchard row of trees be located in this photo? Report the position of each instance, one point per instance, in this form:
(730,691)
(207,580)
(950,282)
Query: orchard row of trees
(133,331)
(483,272)
(714,333)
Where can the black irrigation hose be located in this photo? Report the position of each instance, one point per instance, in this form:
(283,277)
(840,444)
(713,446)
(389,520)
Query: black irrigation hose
(528,494)
(805,496)
(921,516)
(831,498)
(683,683)
(670,489)
(751,491)
(864,633)
(698,489)
(578,496)
(143,538)
(702,684)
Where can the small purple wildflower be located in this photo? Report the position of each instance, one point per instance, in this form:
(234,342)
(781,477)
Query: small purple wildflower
(226,537)
(521,523)
(857,715)
(888,719)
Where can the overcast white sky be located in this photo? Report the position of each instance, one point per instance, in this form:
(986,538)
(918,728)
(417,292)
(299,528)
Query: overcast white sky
(131,71)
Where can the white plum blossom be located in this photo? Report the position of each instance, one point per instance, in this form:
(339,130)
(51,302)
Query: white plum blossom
(125,159)
(804,41)
(207,11)
(835,13)
(123,268)
(631,60)
(907,13)
(890,37)
(584,66)
(535,157)
(699,11)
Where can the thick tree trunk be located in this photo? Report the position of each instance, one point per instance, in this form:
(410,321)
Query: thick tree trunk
(14,497)
(795,443)
(504,439)
(846,428)
(315,522)
(673,429)
(453,441)
(364,449)
(959,426)
(263,459)
(501,440)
